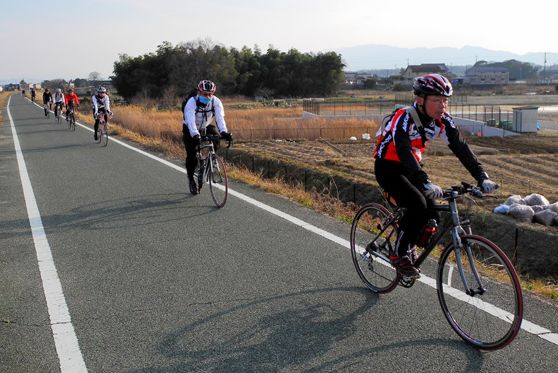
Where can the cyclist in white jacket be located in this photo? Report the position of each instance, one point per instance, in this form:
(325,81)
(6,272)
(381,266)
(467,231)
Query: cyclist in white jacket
(58,99)
(199,112)
(101,104)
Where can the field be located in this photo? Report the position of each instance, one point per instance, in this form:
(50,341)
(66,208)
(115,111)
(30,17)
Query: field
(521,165)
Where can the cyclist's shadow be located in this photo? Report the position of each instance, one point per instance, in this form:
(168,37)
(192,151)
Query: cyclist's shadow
(291,331)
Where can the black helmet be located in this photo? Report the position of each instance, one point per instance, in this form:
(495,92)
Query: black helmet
(432,84)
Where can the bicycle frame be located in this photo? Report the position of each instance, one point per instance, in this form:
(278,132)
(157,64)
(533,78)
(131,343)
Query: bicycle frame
(456,226)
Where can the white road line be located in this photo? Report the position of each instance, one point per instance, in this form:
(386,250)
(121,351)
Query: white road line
(65,340)
(528,326)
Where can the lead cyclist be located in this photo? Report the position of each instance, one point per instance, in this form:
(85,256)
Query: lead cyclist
(398,157)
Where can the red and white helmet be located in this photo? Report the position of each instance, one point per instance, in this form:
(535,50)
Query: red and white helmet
(207,86)
(432,84)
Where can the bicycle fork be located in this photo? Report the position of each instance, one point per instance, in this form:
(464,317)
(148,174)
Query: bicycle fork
(460,245)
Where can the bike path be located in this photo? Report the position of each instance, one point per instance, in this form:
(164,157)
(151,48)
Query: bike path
(156,280)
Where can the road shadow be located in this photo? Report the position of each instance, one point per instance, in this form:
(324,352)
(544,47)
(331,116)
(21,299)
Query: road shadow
(296,331)
(114,214)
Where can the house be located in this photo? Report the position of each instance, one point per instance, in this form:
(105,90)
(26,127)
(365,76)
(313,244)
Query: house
(487,75)
(357,79)
(412,71)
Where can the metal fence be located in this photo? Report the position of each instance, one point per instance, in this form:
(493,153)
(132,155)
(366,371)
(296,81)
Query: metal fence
(491,115)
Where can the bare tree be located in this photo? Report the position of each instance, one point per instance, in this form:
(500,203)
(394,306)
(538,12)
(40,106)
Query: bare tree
(94,76)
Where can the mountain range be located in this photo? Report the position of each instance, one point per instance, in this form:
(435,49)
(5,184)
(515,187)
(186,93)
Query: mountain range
(376,56)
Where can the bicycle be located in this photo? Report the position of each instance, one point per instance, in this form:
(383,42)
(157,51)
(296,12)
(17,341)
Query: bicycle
(484,276)
(70,116)
(58,111)
(211,169)
(46,107)
(102,130)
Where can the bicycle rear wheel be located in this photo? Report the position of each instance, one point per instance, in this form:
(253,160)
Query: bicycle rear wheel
(491,317)
(218,183)
(372,240)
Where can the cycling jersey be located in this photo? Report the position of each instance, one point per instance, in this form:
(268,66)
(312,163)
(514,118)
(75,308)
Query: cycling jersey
(58,97)
(197,117)
(47,97)
(404,142)
(71,97)
(100,103)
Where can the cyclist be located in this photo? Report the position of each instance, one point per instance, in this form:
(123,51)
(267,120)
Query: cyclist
(199,113)
(71,100)
(47,101)
(58,99)
(101,105)
(33,94)
(398,167)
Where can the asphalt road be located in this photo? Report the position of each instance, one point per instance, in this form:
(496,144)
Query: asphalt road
(157,280)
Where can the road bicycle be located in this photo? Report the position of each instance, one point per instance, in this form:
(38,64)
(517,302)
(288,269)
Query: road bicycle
(46,108)
(70,116)
(472,272)
(102,130)
(211,169)
(58,111)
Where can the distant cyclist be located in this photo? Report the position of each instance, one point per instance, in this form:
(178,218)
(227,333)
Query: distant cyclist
(71,100)
(47,101)
(58,99)
(398,165)
(101,106)
(199,113)
(33,94)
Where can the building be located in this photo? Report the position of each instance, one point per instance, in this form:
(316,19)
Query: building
(357,79)
(487,75)
(412,71)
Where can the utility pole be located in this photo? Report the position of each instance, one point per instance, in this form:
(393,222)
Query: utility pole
(544,69)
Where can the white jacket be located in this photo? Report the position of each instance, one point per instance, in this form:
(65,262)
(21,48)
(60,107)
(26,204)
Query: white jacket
(100,102)
(200,120)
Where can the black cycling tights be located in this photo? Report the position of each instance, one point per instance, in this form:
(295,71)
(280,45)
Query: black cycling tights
(391,177)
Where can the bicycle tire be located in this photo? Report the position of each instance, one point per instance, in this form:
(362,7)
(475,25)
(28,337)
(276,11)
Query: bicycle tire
(105,136)
(370,255)
(198,174)
(73,121)
(502,289)
(217,175)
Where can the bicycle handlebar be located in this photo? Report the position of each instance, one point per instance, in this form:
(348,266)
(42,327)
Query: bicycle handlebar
(214,138)
(465,188)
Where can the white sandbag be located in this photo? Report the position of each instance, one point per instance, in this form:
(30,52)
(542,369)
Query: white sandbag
(545,217)
(514,199)
(521,212)
(538,208)
(553,207)
(536,199)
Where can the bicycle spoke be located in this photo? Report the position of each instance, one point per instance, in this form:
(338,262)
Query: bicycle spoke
(371,229)
(490,318)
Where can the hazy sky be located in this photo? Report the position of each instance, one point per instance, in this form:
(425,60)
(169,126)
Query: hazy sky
(69,39)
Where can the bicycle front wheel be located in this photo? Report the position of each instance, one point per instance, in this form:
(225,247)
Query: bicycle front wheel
(105,136)
(488,313)
(373,238)
(218,183)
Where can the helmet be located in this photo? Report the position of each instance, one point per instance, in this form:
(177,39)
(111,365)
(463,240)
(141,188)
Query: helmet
(207,86)
(432,84)
(58,90)
(101,90)
(70,89)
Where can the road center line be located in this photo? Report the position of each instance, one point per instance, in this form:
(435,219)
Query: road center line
(65,339)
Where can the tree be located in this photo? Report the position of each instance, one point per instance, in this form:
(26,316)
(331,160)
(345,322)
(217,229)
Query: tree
(94,76)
